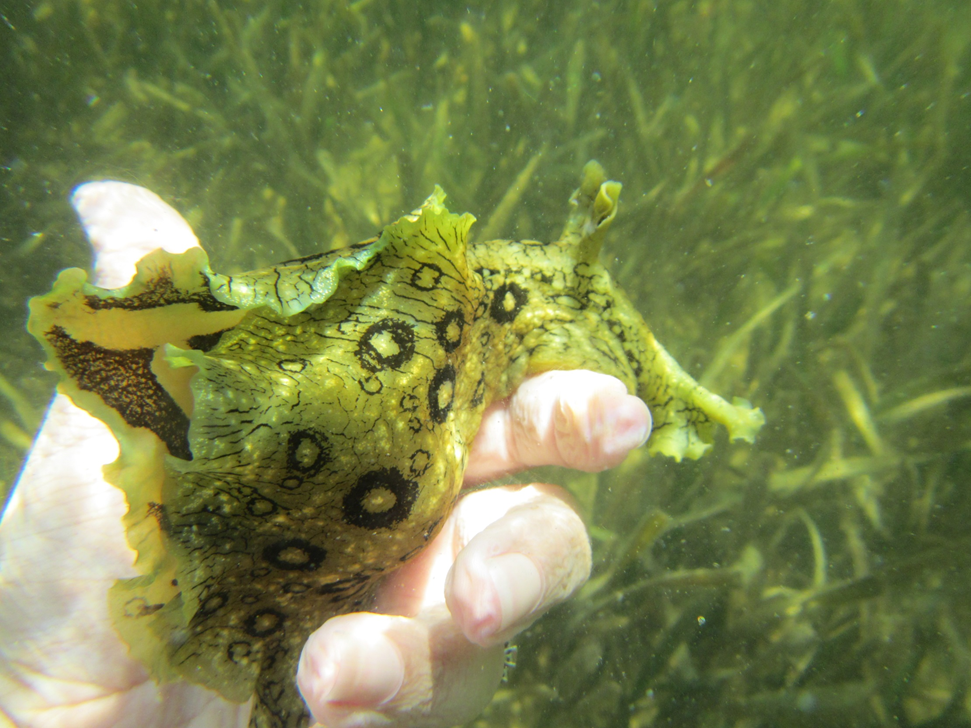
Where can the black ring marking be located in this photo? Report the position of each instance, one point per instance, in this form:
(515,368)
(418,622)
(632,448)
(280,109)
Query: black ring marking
(449,330)
(381,499)
(264,622)
(507,301)
(371,385)
(260,507)
(213,603)
(291,483)
(395,346)
(292,366)
(307,451)
(295,554)
(442,386)
(426,277)
(238,652)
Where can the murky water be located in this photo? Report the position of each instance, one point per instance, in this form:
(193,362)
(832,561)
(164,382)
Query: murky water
(794,226)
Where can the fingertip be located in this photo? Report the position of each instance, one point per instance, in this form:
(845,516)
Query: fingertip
(516,566)
(628,427)
(597,427)
(349,665)
(365,670)
(518,589)
(492,598)
(474,607)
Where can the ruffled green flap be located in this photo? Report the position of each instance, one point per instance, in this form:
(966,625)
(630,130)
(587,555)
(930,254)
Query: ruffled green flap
(293,286)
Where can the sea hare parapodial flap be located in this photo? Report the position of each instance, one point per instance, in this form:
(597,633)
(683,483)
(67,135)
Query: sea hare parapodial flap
(289,435)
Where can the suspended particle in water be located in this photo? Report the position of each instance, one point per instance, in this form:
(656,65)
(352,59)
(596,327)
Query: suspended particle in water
(508,660)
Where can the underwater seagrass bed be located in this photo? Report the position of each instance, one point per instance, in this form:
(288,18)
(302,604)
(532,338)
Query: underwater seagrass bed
(794,227)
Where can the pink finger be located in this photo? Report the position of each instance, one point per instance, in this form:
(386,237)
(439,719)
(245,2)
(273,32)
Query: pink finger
(577,419)
(531,557)
(377,670)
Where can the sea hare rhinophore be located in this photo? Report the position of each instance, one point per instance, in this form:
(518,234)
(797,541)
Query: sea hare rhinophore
(291,434)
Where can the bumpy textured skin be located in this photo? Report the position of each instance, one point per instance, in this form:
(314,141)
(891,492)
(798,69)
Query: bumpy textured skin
(289,435)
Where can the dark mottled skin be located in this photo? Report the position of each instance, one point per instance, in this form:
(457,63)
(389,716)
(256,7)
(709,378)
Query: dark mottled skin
(328,421)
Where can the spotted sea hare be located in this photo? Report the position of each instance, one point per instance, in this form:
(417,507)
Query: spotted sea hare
(291,434)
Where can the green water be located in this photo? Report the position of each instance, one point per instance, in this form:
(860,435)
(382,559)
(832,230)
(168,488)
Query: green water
(794,226)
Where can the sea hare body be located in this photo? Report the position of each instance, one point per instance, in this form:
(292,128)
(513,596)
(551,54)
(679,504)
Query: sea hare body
(289,435)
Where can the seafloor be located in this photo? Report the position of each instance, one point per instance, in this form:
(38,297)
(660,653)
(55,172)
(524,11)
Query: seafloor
(794,226)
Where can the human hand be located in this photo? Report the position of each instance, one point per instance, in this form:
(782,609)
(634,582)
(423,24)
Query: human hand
(503,558)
